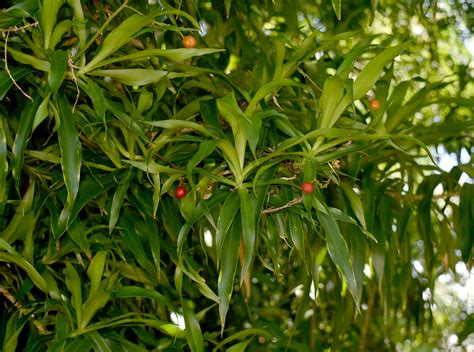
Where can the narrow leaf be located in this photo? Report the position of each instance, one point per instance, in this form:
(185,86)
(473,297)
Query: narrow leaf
(95,302)
(3,165)
(193,329)
(228,268)
(333,92)
(57,69)
(49,12)
(226,217)
(132,76)
(22,137)
(73,284)
(33,274)
(96,270)
(181,54)
(371,72)
(118,37)
(336,5)
(248,204)
(17,73)
(136,291)
(179,124)
(339,252)
(117,200)
(70,146)
(355,202)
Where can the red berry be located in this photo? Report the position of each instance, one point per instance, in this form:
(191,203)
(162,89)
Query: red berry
(375,104)
(180,192)
(189,42)
(307,187)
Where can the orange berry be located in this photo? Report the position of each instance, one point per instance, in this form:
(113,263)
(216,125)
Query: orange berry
(375,104)
(189,42)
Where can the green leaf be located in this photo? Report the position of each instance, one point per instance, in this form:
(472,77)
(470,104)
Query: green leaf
(124,32)
(297,234)
(171,54)
(99,342)
(121,35)
(49,12)
(78,22)
(3,165)
(27,59)
(78,344)
(16,259)
(228,211)
(96,94)
(59,31)
(96,301)
(208,109)
(347,65)
(466,216)
(206,147)
(252,130)
(132,76)
(153,168)
(371,72)
(71,160)
(243,334)
(59,61)
(333,92)
(193,329)
(22,219)
(355,202)
(117,110)
(136,291)
(339,252)
(239,347)
(73,284)
(336,5)
(228,3)
(230,110)
(22,137)
(232,157)
(17,73)
(117,200)
(14,326)
(96,270)
(248,204)
(179,124)
(269,89)
(43,111)
(228,268)
(134,244)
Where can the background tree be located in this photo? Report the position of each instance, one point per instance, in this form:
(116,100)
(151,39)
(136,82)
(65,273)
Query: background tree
(275,187)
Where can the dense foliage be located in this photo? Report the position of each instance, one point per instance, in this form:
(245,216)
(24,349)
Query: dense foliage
(273,187)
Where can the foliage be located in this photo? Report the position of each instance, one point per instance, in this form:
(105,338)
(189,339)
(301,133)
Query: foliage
(104,114)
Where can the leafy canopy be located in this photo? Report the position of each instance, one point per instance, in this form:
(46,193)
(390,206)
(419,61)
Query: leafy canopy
(104,114)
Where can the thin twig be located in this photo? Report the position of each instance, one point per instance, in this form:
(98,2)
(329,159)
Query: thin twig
(295,201)
(7,70)
(287,205)
(18,29)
